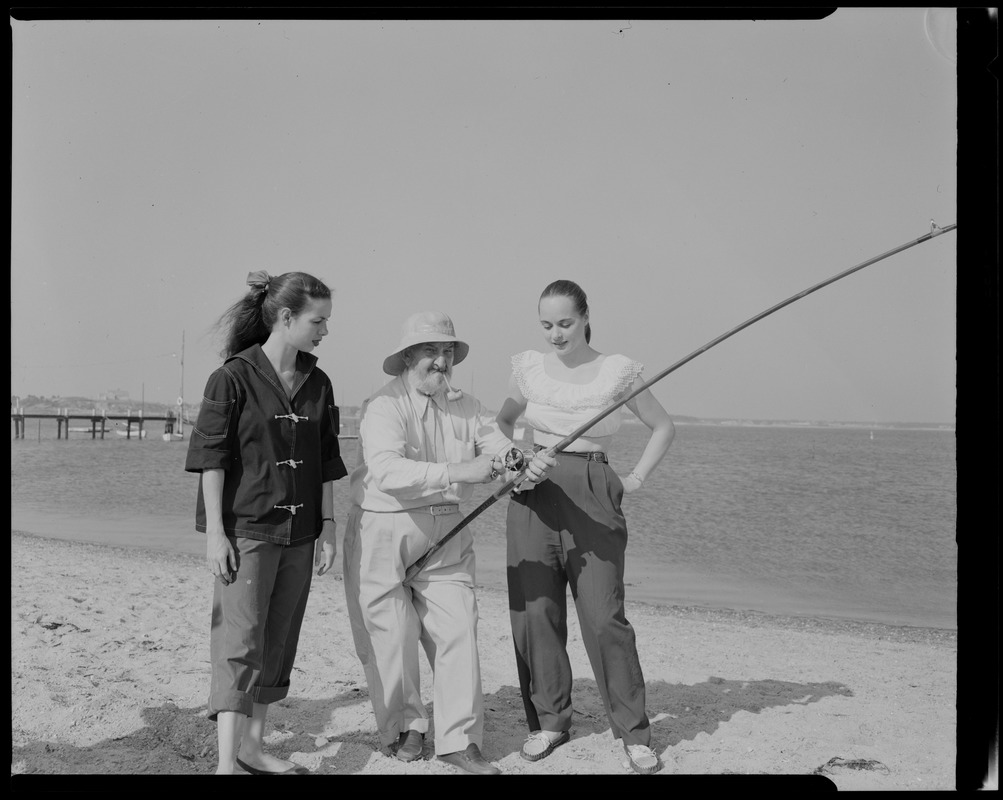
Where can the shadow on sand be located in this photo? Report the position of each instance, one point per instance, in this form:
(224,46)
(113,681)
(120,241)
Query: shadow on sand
(181,741)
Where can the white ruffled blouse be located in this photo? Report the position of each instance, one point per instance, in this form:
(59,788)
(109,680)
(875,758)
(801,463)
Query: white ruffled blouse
(559,407)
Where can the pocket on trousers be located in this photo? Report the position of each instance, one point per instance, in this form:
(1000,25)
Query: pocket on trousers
(615,486)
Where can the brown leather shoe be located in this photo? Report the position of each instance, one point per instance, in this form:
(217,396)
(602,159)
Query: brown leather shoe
(471,760)
(409,746)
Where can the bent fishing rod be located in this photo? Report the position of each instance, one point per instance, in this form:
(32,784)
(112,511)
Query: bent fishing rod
(519,461)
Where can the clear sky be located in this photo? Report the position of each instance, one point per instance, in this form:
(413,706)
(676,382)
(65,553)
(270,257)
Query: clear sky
(688,174)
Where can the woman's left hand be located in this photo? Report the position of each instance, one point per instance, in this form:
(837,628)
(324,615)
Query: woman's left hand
(327,547)
(630,483)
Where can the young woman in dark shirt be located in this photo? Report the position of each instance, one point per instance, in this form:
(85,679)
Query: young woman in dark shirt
(266,448)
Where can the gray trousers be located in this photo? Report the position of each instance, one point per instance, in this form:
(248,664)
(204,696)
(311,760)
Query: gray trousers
(256,624)
(569,530)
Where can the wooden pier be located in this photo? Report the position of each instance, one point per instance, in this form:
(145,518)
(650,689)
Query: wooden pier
(98,423)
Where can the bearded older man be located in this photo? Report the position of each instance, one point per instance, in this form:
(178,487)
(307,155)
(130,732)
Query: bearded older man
(422,447)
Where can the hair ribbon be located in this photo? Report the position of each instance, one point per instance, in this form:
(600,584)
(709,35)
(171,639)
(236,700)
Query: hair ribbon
(259,280)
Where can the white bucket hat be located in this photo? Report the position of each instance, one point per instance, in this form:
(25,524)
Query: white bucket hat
(425,326)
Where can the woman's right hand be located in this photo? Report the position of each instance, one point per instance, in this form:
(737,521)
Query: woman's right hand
(220,557)
(536,471)
(631,483)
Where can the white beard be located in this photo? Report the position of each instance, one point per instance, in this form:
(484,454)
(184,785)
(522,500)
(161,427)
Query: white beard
(431,383)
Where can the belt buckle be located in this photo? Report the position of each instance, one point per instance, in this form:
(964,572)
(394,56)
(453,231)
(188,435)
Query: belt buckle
(443,508)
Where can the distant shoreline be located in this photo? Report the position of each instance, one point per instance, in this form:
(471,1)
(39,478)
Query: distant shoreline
(864,426)
(78,405)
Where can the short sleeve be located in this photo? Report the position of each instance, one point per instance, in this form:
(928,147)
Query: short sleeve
(332,466)
(624,372)
(214,436)
(524,364)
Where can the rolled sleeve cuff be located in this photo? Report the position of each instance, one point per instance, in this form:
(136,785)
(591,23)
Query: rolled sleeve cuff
(333,470)
(200,460)
(437,477)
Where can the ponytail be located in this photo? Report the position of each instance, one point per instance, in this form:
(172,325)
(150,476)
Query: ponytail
(249,321)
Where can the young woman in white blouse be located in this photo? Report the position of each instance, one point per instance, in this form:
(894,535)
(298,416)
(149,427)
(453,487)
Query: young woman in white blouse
(570,530)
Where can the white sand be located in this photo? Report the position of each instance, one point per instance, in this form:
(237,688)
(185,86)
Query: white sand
(109,660)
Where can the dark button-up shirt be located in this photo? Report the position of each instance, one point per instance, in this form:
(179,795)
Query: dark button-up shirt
(276,450)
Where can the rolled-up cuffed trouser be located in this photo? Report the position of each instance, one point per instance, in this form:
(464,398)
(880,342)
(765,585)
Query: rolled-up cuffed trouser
(256,624)
(570,530)
(389,620)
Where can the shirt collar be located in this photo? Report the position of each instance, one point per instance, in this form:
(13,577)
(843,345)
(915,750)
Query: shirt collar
(440,401)
(256,357)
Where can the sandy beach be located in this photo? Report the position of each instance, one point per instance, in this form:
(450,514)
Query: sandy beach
(109,651)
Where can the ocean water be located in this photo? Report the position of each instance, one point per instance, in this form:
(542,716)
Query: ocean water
(802,521)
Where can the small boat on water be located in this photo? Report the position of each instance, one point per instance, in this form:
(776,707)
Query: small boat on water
(135,433)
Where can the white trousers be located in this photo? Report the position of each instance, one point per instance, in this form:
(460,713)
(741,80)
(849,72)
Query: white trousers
(438,610)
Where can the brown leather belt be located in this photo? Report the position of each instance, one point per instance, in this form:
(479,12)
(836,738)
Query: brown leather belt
(588,455)
(591,455)
(439,509)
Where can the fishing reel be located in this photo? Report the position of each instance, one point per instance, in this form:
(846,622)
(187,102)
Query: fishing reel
(516,460)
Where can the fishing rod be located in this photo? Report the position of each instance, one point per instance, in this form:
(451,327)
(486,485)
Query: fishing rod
(519,461)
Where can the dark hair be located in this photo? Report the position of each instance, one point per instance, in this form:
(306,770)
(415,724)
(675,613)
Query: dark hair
(573,291)
(249,321)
